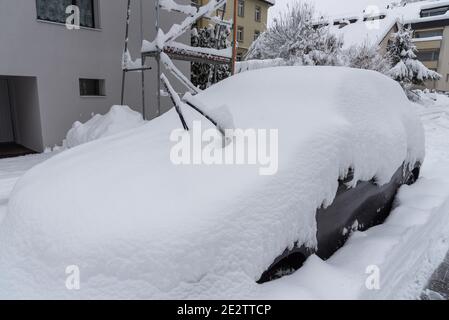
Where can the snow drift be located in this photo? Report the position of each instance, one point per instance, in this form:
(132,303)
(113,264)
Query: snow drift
(138,226)
(118,119)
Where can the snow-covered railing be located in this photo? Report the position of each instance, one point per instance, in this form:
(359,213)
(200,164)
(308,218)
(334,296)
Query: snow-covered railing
(249,65)
(178,29)
(169,65)
(180,51)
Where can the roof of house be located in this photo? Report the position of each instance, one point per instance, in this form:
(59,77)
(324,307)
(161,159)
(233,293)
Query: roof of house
(270,2)
(373,24)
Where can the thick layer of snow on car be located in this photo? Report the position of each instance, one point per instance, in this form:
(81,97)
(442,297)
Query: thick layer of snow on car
(118,119)
(404,251)
(138,226)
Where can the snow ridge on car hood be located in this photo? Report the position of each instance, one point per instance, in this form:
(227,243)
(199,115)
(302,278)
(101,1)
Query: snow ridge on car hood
(138,226)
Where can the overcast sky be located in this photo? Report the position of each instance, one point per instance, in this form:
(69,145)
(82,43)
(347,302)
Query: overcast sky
(330,7)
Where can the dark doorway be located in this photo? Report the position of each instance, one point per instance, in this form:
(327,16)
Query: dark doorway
(20,130)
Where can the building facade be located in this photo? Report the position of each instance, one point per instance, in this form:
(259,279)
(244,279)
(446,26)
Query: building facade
(252,19)
(429,19)
(51,76)
(431,37)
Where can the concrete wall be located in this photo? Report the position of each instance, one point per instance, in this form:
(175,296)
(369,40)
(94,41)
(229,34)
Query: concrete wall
(58,57)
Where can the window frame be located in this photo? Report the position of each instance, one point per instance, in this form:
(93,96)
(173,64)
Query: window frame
(434,12)
(435,54)
(256,32)
(241,8)
(95,16)
(100,85)
(436,33)
(241,31)
(258,14)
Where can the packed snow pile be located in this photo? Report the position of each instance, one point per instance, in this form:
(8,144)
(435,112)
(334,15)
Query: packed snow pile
(138,226)
(118,119)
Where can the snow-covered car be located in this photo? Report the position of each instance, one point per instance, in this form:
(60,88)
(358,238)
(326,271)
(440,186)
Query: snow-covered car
(136,225)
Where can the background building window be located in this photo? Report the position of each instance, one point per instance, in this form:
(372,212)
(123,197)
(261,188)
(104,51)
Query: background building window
(428,55)
(429,33)
(258,14)
(55,11)
(92,88)
(240,34)
(256,34)
(434,12)
(241,8)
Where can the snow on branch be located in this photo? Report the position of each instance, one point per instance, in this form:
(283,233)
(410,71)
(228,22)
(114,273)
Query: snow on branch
(171,5)
(175,99)
(128,63)
(178,29)
(178,74)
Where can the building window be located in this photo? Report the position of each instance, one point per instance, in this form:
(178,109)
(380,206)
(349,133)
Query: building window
(92,88)
(429,33)
(428,55)
(434,12)
(240,34)
(241,8)
(239,57)
(447,77)
(256,34)
(55,11)
(258,14)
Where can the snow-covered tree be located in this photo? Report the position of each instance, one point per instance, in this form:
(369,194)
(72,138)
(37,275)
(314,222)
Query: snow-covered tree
(407,70)
(367,56)
(295,38)
(204,74)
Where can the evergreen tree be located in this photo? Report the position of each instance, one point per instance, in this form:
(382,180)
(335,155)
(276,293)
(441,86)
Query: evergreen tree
(407,70)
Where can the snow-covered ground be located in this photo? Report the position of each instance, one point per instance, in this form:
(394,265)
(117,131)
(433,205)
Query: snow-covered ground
(11,170)
(404,251)
(126,214)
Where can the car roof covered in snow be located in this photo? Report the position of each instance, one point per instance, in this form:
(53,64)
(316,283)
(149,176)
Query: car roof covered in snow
(143,227)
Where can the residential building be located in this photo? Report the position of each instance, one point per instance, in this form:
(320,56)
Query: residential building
(252,19)
(51,76)
(428,19)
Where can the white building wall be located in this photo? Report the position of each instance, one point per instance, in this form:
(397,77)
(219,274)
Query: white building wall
(58,57)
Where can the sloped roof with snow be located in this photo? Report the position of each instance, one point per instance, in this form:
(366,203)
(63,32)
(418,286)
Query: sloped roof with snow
(373,24)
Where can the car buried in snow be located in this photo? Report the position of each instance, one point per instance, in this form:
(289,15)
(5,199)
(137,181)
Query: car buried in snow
(140,225)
